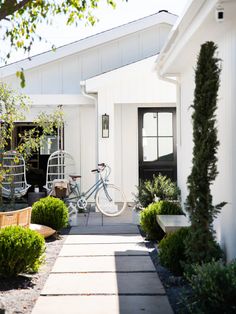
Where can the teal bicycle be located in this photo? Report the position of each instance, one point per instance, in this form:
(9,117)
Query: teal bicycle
(109,199)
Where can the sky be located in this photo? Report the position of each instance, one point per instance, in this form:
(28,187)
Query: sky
(58,34)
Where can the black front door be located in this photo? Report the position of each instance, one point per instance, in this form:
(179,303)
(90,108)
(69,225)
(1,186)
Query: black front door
(157,142)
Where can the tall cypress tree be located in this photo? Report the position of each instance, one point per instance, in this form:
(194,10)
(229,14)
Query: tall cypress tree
(201,245)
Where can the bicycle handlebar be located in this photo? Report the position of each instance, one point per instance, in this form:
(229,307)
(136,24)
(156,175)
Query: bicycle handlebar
(103,167)
(102,164)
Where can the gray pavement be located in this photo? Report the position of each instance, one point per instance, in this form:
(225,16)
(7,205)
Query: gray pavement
(103,269)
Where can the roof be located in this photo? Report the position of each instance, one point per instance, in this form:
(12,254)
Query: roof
(192,19)
(161,17)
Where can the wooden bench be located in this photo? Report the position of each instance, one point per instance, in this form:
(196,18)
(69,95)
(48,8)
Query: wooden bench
(171,223)
(19,217)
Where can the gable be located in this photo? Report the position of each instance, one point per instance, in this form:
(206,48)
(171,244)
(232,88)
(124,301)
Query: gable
(63,75)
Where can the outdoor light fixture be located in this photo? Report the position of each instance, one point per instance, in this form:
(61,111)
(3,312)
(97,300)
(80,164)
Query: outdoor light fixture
(105,125)
(219,13)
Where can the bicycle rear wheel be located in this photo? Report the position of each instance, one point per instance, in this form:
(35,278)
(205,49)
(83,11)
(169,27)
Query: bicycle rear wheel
(110,200)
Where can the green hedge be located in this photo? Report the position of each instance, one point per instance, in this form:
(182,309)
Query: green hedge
(172,252)
(51,212)
(214,288)
(21,251)
(148,221)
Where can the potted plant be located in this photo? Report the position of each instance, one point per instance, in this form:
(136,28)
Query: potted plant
(152,191)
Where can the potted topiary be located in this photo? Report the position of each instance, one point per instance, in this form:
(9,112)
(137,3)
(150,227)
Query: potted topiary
(51,212)
(152,191)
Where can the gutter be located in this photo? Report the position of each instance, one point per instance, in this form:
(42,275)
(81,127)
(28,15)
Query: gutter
(168,78)
(94,98)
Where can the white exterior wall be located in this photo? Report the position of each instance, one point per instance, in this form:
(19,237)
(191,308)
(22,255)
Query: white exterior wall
(79,136)
(184,126)
(224,187)
(129,81)
(120,94)
(63,76)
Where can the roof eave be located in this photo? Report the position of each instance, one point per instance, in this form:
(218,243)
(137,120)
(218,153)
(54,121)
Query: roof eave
(87,43)
(181,33)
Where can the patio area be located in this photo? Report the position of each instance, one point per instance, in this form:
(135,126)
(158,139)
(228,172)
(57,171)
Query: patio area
(103,267)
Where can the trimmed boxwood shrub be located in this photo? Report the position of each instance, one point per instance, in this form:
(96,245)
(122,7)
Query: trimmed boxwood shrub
(51,212)
(148,221)
(214,288)
(21,251)
(172,251)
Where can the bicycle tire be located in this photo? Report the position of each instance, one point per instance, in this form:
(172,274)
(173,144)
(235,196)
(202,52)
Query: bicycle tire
(113,206)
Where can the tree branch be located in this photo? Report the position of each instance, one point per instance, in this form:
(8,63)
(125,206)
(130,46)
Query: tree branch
(10,7)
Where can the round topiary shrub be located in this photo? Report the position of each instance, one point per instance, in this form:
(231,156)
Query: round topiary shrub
(21,251)
(172,252)
(214,288)
(51,212)
(148,220)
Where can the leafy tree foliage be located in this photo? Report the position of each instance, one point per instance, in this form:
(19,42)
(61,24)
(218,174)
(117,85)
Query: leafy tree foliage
(14,107)
(201,242)
(19,19)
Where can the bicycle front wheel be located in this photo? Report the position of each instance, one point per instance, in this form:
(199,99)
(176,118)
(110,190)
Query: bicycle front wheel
(110,200)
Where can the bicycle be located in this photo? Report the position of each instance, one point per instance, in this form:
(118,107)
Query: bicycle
(109,199)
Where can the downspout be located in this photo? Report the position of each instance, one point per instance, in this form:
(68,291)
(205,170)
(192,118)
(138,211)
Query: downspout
(94,98)
(166,78)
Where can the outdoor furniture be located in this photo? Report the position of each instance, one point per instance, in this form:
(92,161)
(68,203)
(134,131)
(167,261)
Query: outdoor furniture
(171,223)
(20,217)
(60,165)
(14,184)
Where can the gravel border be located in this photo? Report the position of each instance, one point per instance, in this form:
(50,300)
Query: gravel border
(18,295)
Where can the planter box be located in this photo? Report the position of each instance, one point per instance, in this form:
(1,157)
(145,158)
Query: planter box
(171,223)
(135,217)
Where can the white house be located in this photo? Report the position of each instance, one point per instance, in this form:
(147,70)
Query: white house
(119,74)
(203,21)
(110,73)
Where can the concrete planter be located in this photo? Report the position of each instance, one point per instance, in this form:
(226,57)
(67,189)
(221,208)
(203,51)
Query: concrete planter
(136,216)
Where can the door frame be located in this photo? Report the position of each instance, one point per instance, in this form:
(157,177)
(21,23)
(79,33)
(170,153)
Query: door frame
(162,165)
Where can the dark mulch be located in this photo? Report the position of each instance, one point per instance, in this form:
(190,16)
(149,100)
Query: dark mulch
(19,295)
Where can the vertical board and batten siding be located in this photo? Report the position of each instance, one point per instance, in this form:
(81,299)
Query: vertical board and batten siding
(224,187)
(64,75)
(125,55)
(79,137)
(126,143)
(120,94)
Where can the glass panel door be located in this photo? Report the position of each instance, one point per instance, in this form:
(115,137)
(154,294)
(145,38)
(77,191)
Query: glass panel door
(157,153)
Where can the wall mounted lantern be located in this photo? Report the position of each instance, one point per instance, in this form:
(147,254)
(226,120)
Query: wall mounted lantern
(105,125)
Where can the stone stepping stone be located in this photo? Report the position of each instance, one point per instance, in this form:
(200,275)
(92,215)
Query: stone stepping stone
(102,305)
(112,229)
(103,283)
(98,239)
(103,264)
(104,249)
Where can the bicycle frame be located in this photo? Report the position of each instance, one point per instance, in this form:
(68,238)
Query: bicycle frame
(94,188)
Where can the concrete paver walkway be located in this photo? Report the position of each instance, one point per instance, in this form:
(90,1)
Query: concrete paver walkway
(103,270)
